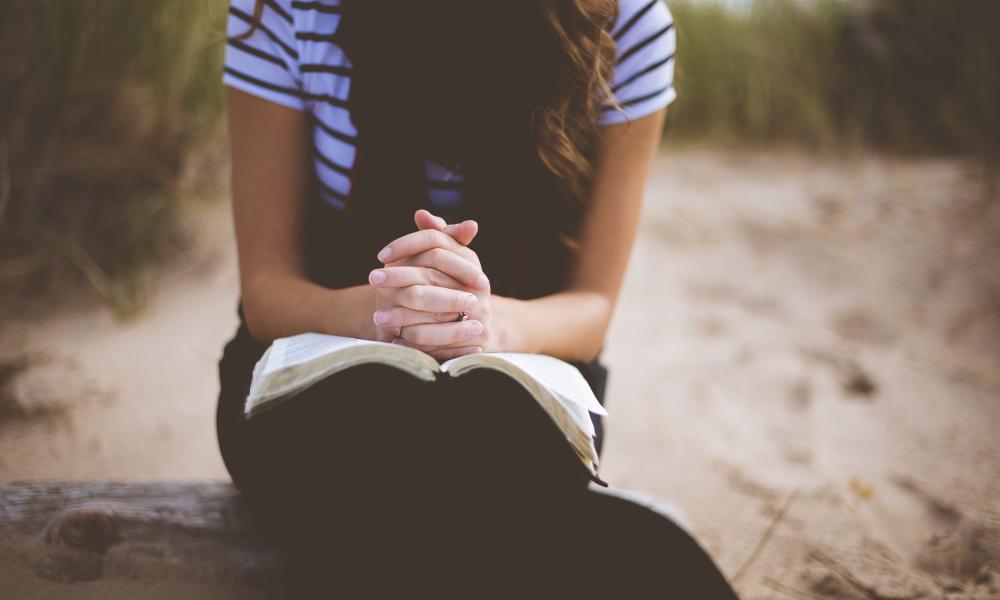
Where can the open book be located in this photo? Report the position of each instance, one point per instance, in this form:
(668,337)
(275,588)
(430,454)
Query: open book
(290,365)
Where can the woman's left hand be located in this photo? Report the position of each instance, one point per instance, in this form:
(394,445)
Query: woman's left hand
(423,248)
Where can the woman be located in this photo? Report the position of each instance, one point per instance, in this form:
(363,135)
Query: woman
(360,129)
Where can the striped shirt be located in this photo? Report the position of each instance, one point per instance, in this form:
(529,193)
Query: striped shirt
(292,59)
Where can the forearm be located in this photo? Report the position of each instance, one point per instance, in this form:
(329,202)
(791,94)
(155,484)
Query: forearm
(569,325)
(283,305)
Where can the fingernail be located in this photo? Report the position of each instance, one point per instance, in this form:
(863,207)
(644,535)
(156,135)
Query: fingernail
(475,327)
(377,276)
(470,301)
(384,254)
(482,282)
(382,317)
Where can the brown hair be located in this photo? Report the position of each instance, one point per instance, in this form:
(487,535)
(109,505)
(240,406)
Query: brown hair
(565,129)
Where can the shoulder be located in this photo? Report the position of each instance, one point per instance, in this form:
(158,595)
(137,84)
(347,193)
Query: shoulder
(262,52)
(642,82)
(277,15)
(638,16)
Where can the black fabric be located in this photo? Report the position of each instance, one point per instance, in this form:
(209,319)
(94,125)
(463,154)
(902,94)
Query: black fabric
(378,485)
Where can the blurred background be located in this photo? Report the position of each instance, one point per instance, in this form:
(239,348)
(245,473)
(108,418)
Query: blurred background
(806,356)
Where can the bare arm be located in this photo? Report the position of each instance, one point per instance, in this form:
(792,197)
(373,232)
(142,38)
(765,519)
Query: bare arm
(572,325)
(270,181)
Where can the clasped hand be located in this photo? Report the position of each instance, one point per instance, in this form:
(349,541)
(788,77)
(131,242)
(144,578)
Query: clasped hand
(430,277)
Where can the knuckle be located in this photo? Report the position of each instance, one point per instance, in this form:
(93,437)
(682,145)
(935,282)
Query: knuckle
(392,277)
(403,318)
(470,255)
(437,278)
(440,238)
(396,275)
(437,256)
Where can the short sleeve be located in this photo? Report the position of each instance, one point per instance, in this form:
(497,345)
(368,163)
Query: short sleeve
(643,80)
(264,63)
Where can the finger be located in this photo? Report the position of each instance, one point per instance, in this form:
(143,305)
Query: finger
(443,334)
(450,353)
(452,265)
(414,243)
(435,299)
(463,232)
(393,318)
(403,276)
(424,219)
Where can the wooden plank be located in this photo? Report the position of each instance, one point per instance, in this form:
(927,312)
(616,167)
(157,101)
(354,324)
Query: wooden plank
(175,532)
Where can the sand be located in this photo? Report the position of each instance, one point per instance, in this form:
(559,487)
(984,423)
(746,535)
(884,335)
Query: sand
(805,360)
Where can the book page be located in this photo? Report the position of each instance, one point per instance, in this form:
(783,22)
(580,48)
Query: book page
(302,348)
(581,417)
(558,376)
(293,364)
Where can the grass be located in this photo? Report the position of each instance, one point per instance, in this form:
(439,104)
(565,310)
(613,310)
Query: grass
(909,76)
(103,103)
(760,76)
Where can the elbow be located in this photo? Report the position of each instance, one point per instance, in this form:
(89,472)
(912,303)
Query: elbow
(600,308)
(590,353)
(591,350)
(254,310)
(255,323)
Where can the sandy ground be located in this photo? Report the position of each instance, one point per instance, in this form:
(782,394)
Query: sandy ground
(805,360)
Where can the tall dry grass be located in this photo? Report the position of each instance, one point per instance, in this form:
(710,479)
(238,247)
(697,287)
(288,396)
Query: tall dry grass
(912,76)
(759,74)
(102,101)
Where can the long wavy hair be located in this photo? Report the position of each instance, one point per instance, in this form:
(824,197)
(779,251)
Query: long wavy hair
(512,90)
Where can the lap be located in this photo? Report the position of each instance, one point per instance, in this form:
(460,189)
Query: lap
(372,470)
(372,429)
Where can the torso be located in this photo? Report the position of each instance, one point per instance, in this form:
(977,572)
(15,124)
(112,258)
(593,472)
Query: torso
(302,36)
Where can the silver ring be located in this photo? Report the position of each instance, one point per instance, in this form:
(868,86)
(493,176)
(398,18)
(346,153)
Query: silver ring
(462,316)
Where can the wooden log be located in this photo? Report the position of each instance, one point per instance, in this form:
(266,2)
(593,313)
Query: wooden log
(180,534)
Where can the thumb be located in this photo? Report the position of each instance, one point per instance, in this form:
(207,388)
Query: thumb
(463,232)
(425,220)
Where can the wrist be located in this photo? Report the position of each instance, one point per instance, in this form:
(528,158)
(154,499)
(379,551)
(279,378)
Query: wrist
(510,336)
(348,312)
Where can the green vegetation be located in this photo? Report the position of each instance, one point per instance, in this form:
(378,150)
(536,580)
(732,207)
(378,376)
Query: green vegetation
(102,103)
(912,76)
